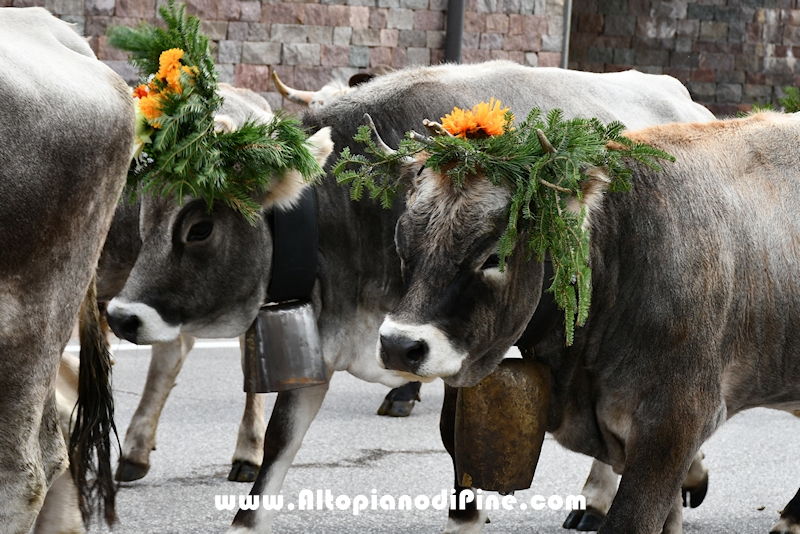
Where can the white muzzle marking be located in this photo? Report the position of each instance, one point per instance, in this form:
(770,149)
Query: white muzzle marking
(152,328)
(442,360)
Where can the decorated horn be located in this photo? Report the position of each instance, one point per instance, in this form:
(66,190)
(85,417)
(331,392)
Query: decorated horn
(436,128)
(376,137)
(380,143)
(298,97)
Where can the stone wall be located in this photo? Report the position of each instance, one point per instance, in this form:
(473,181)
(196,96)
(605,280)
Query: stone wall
(308,42)
(729,53)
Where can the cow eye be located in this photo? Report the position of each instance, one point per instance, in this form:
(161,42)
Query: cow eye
(200,231)
(492,262)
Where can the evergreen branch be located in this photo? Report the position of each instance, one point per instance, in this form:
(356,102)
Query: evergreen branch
(541,163)
(186,156)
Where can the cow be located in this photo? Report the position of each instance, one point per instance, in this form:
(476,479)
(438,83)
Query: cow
(693,316)
(359,277)
(118,257)
(116,261)
(66,141)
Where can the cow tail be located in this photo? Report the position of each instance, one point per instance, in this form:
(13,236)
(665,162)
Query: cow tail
(94,417)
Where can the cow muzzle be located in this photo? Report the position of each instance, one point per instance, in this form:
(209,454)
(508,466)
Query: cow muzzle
(139,323)
(423,351)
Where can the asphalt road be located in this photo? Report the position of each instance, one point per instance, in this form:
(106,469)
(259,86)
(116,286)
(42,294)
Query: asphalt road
(351,451)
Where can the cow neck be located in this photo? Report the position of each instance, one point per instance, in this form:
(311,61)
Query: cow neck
(294,250)
(546,316)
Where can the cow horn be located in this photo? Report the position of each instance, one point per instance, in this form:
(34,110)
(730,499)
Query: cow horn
(298,97)
(376,137)
(545,142)
(436,128)
(380,143)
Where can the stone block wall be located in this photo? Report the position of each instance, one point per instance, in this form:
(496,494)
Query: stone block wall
(309,42)
(729,53)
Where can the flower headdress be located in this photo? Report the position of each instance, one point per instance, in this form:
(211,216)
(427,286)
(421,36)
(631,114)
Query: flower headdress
(178,150)
(541,163)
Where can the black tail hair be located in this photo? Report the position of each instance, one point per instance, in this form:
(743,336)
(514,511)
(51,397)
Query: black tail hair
(94,417)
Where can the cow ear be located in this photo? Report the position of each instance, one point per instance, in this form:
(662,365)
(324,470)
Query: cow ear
(593,187)
(286,192)
(410,176)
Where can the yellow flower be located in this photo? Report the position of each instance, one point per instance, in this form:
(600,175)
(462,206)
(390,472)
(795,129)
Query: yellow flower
(484,120)
(491,117)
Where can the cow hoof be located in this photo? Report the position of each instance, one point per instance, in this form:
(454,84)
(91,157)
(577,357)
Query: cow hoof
(400,401)
(243,471)
(693,497)
(128,471)
(395,408)
(786,525)
(591,520)
(584,520)
(573,519)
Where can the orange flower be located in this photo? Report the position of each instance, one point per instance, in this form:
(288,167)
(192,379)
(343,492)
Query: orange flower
(484,120)
(150,108)
(459,122)
(168,61)
(491,118)
(140,91)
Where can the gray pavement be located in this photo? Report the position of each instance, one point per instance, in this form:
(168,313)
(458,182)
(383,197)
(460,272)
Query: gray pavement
(351,451)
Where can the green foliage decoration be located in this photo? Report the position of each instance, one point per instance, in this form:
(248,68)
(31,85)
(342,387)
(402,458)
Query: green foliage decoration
(180,151)
(543,163)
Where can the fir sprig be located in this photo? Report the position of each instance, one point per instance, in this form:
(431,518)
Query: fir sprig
(543,164)
(185,155)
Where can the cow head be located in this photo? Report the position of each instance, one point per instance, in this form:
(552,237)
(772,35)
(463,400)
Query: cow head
(186,248)
(460,313)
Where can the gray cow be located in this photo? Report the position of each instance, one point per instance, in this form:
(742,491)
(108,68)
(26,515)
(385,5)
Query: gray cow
(359,277)
(66,135)
(694,313)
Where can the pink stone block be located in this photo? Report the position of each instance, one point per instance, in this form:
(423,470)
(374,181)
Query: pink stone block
(389,38)
(549,59)
(253,77)
(359,17)
(334,56)
(135,8)
(380,55)
(283,13)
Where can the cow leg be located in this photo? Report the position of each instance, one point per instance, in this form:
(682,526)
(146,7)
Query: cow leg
(790,518)
(674,522)
(599,490)
(601,486)
(250,441)
(165,364)
(659,450)
(470,519)
(400,401)
(695,485)
(291,417)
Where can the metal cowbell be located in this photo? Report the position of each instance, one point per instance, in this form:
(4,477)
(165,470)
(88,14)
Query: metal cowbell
(282,349)
(500,426)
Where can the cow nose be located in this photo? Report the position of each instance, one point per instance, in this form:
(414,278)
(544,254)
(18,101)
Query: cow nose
(124,326)
(402,354)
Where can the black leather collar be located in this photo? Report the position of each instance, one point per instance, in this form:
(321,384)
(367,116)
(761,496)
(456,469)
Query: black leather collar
(546,316)
(294,250)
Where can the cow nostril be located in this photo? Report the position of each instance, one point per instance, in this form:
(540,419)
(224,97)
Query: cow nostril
(402,354)
(417,352)
(125,327)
